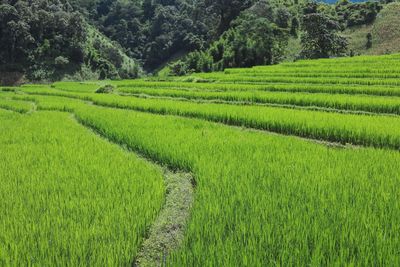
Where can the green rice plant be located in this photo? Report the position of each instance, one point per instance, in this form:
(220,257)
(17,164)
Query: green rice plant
(33,85)
(7,89)
(219,87)
(51,103)
(55,92)
(378,67)
(85,87)
(338,101)
(15,105)
(380,71)
(391,71)
(316,74)
(394,59)
(367,130)
(69,198)
(239,78)
(265,200)
(341,102)
(379,131)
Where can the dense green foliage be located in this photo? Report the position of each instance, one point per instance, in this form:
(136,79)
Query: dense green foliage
(49,40)
(111,39)
(253,40)
(37,35)
(260,35)
(154,30)
(353,14)
(320,38)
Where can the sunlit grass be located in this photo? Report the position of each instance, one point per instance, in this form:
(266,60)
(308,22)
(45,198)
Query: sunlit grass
(69,198)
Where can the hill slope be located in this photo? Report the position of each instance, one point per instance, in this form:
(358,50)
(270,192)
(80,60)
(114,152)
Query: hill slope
(52,40)
(385,33)
(335,1)
(107,58)
(49,40)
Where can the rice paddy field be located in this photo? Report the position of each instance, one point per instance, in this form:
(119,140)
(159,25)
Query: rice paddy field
(290,165)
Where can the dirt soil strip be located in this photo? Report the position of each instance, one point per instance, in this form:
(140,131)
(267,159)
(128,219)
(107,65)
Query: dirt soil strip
(167,232)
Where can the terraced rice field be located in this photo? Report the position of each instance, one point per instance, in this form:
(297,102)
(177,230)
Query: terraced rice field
(296,164)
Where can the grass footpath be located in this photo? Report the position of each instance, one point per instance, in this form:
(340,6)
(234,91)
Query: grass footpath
(167,231)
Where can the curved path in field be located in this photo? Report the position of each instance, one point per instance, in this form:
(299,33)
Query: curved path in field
(167,231)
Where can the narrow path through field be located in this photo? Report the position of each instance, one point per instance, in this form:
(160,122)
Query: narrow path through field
(167,231)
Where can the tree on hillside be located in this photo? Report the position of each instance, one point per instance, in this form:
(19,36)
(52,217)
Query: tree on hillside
(294,27)
(369,41)
(34,33)
(321,38)
(352,14)
(15,37)
(227,11)
(252,40)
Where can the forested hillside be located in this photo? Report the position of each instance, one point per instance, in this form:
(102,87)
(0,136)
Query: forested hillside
(154,30)
(54,41)
(335,1)
(101,39)
(271,32)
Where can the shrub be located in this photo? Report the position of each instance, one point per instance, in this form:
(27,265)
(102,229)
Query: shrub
(61,61)
(106,89)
